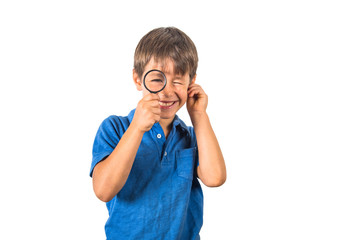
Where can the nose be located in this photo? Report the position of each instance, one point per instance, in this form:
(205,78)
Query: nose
(168,90)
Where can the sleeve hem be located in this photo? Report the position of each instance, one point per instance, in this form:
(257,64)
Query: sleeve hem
(98,159)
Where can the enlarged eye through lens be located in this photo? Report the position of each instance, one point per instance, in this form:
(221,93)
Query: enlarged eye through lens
(154,81)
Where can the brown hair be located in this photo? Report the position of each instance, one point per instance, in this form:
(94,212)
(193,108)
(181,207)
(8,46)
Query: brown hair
(164,43)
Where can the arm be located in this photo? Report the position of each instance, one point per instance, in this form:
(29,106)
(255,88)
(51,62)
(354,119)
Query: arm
(211,169)
(110,175)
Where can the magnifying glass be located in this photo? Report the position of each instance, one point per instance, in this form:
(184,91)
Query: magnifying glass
(154,81)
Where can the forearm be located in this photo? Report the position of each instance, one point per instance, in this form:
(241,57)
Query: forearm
(110,175)
(211,170)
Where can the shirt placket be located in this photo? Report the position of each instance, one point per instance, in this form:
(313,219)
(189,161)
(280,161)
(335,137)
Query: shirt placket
(158,137)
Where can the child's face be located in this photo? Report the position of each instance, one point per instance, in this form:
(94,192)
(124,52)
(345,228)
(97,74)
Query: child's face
(174,95)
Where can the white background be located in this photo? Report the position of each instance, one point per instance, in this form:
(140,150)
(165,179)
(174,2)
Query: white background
(283,85)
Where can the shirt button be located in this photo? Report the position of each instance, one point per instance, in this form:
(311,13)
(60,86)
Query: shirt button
(159,135)
(165,154)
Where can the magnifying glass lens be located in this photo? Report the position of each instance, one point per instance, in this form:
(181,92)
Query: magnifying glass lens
(154,81)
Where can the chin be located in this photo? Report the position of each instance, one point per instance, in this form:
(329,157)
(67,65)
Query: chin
(169,112)
(167,116)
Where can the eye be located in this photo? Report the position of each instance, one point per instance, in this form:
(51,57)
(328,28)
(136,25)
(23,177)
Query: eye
(157,80)
(178,83)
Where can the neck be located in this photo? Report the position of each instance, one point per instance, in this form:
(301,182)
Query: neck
(166,125)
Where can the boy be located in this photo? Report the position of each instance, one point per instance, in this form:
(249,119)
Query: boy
(146,165)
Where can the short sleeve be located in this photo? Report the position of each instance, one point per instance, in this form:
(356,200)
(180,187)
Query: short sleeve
(193,141)
(107,138)
(194,145)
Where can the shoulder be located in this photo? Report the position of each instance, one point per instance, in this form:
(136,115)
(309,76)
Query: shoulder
(180,125)
(115,124)
(187,130)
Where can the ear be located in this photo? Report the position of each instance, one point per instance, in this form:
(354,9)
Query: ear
(137,80)
(193,80)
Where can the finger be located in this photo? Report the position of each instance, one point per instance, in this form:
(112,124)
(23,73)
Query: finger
(155,97)
(157,118)
(156,113)
(154,103)
(193,84)
(194,87)
(156,107)
(150,97)
(194,91)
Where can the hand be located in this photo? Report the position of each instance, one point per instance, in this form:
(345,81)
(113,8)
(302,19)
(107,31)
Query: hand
(197,100)
(147,112)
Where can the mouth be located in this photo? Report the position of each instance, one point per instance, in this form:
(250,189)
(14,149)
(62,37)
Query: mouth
(167,104)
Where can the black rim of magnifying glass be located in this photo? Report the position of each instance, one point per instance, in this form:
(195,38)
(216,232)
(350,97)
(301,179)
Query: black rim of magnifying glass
(155,70)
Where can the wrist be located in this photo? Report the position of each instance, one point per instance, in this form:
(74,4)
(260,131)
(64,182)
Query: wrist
(198,117)
(134,127)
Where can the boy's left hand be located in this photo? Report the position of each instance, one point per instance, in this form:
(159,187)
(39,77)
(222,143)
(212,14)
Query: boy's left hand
(197,100)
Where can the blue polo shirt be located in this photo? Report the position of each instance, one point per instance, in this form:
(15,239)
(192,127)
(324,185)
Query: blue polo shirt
(162,197)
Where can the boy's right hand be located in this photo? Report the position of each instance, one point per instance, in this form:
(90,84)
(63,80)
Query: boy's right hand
(147,112)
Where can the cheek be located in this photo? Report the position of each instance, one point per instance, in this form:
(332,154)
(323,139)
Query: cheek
(183,95)
(144,91)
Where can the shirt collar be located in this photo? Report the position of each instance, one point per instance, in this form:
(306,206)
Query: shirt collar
(176,123)
(179,123)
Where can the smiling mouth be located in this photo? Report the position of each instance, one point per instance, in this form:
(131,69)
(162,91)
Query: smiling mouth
(165,105)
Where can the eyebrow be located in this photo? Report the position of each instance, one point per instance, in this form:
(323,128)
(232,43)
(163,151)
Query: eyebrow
(158,75)
(182,77)
(179,79)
